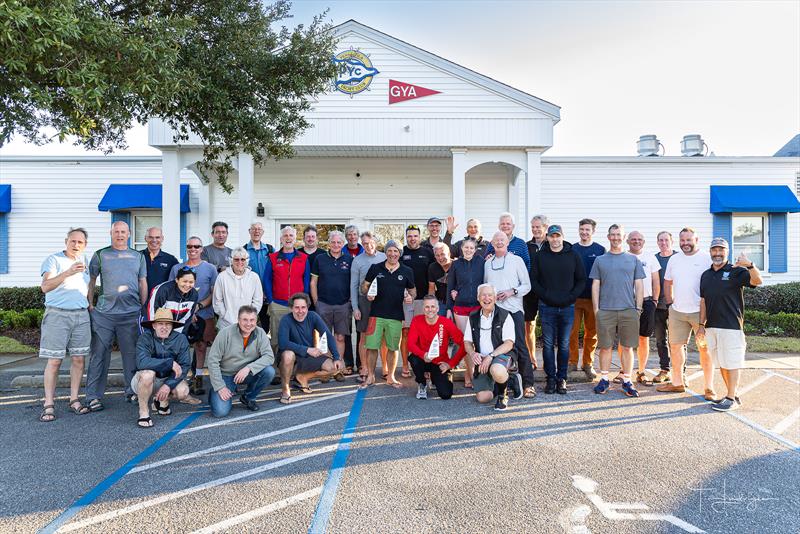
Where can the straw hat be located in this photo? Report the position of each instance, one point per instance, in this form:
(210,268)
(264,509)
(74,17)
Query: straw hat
(163,315)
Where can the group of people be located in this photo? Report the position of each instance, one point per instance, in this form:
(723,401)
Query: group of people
(430,305)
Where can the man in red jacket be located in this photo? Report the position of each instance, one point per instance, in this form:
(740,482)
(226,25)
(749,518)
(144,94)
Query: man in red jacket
(426,359)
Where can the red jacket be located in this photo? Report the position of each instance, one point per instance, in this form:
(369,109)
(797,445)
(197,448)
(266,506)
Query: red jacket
(420,336)
(287,277)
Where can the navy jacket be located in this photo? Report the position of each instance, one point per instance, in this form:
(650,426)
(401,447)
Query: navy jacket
(155,354)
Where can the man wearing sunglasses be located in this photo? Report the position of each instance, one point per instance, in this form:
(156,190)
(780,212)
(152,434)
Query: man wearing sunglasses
(205,278)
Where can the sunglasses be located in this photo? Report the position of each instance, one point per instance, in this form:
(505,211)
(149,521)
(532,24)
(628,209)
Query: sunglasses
(412,227)
(194,246)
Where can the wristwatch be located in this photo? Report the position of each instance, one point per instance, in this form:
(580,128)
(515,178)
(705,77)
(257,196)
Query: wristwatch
(750,266)
(515,291)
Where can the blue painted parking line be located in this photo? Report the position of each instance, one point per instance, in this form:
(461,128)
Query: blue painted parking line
(319,524)
(112,479)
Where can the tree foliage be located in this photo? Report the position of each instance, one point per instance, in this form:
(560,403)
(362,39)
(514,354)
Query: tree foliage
(226,70)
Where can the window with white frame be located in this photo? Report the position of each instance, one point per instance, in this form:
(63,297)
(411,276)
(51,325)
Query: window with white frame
(750,237)
(140,222)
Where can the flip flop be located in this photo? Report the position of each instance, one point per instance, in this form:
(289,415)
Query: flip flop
(305,389)
(161,410)
(366,384)
(395,385)
(406,373)
(194,401)
(286,399)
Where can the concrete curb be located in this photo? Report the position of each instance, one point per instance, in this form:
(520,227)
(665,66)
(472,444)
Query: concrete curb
(37,381)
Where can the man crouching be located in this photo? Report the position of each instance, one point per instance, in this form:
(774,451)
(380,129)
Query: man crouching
(162,361)
(489,341)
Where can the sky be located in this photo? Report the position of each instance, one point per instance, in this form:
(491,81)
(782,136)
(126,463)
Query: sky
(729,71)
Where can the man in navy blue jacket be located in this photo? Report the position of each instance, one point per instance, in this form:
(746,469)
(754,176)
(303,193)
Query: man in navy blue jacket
(297,346)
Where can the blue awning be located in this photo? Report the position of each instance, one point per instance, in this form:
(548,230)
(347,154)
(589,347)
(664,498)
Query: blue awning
(743,198)
(123,197)
(5,198)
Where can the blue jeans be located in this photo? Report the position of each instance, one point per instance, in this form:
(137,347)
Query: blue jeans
(556,327)
(255,383)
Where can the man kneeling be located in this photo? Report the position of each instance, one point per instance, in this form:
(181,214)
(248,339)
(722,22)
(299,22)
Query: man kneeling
(241,354)
(162,361)
(296,342)
(428,340)
(489,342)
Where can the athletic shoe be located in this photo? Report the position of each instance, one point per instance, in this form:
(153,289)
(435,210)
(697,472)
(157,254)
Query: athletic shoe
(602,386)
(725,405)
(550,388)
(515,385)
(502,403)
(422,391)
(629,390)
(561,387)
(249,404)
(590,372)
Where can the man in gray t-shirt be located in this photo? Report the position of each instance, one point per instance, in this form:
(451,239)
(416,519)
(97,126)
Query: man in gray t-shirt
(617,295)
(217,254)
(122,272)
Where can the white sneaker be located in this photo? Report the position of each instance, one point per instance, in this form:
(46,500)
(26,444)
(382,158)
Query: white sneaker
(422,391)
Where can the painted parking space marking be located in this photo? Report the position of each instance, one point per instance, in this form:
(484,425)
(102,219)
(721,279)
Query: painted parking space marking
(238,443)
(194,489)
(258,512)
(781,375)
(231,420)
(611,510)
(754,384)
(786,422)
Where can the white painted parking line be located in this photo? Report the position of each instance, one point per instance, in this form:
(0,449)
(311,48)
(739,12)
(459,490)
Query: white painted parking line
(258,512)
(781,375)
(696,374)
(233,444)
(230,420)
(194,489)
(754,384)
(786,422)
(611,510)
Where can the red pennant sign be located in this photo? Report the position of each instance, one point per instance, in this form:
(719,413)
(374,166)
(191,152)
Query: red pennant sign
(401,91)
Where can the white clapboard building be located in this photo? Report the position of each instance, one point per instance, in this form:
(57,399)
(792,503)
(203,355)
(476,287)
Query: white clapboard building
(404,135)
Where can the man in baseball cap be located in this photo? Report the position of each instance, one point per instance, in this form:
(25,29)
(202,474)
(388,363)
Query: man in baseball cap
(722,316)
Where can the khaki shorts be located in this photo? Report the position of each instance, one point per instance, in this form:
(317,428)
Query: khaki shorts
(727,347)
(613,322)
(65,332)
(157,382)
(681,325)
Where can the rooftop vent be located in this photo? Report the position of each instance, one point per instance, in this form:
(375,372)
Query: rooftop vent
(693,145)
(648,145)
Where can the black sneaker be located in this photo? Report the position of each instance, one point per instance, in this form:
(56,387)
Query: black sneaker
(501,404)
(249,404)
(550,388)
(561,387)
(515,385)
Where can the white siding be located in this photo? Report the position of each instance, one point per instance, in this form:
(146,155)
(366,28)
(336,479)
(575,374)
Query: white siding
(664,194)
(49,197)
(487,196)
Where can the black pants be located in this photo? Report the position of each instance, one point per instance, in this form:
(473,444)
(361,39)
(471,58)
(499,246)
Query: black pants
(348,351)
(523,356)
(662,345)
(263,317)
(442,381)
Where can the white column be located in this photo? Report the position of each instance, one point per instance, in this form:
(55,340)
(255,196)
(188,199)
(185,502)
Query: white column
(533,187)
(246,192)
(460,167)
(513,193)
(171,202)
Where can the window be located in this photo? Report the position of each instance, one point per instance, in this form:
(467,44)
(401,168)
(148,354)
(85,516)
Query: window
(386,230)
(323,229)
(749,236)
(140,222)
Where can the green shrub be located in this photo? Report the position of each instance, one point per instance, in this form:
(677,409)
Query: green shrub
(23,319)
(774,299)
(772,324)
(21,298)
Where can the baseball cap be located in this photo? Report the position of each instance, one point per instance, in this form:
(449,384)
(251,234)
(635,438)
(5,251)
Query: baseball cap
(554,229)
(719,242)
(393,243)
(434,219)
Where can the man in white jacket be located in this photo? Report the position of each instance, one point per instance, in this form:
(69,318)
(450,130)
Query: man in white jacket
(236,287)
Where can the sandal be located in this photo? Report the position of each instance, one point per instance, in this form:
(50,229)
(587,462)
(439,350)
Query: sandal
(286,399)
(641,378)
(339,377)
(406,373)
(161,410)
(145,422)
(77,407)
(305,389)
(48,414)
(96,406)
(347,371)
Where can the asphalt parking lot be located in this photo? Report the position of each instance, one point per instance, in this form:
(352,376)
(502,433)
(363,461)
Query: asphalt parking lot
(382,461)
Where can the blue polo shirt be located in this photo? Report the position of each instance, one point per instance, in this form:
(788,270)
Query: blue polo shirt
(259,258)
(333,278)
(158,268)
